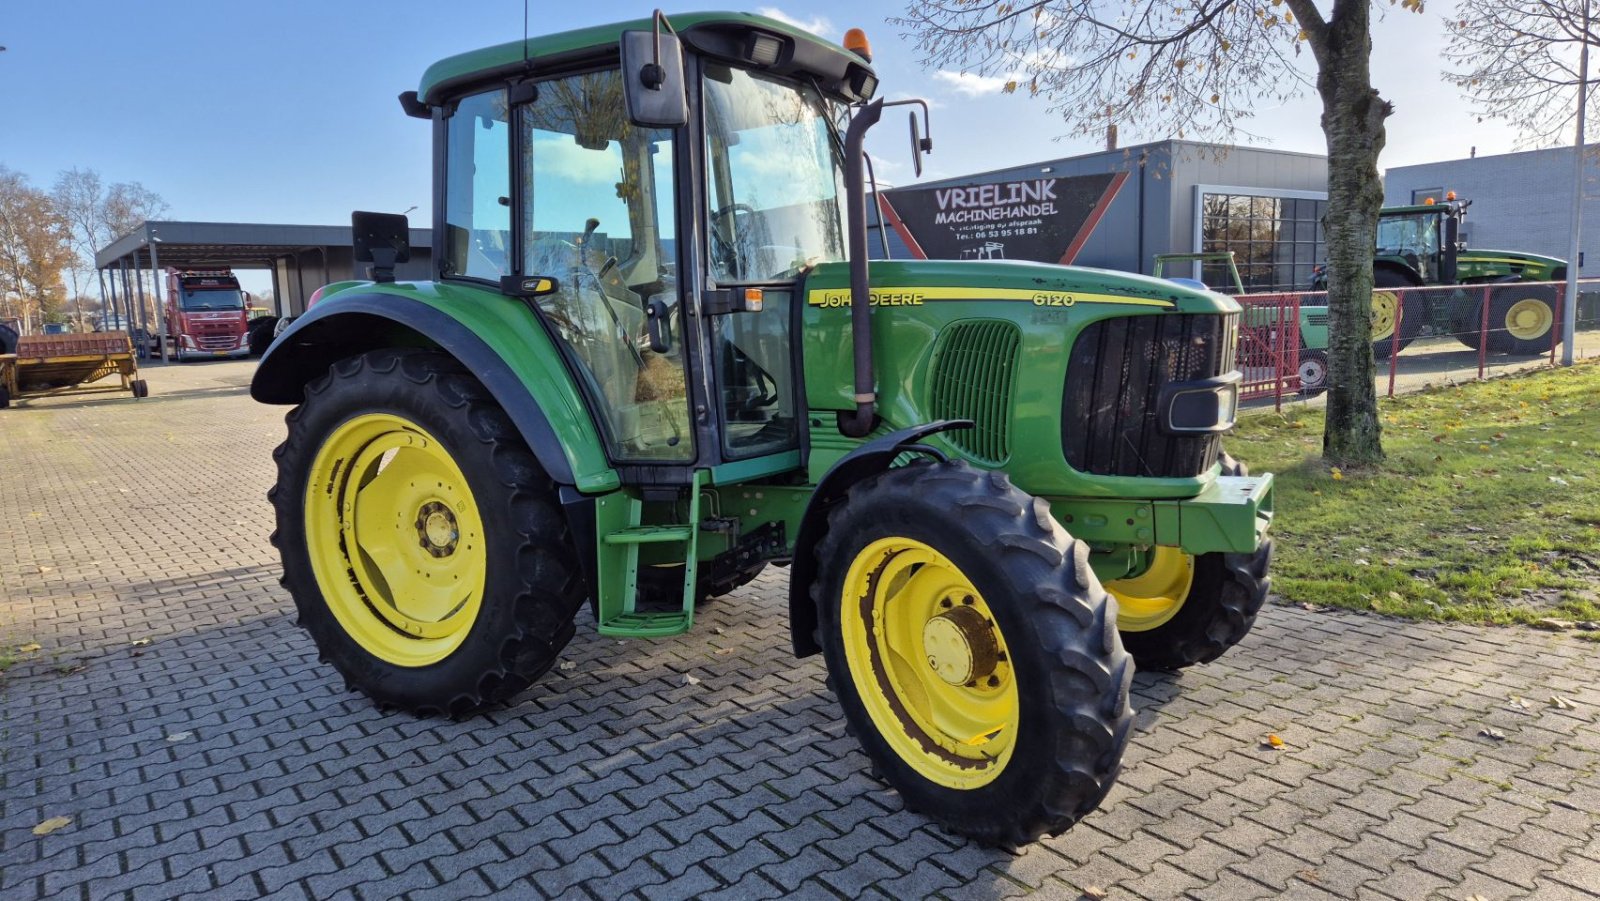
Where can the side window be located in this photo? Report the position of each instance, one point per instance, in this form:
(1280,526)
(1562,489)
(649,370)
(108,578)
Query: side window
(477,218)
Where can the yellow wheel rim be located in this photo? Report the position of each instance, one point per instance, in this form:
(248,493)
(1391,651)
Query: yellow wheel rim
(1385,314)
(929,663)
(395,539)
(1149,600)
(1529,318)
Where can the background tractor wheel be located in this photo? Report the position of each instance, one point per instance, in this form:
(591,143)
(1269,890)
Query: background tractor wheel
(1313,372)
(1386,310)
(1522,320)
(973,651)
(140,387)
(5,397)
(421,540)
(1186,609)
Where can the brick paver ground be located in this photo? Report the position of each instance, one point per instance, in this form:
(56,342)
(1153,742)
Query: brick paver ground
(185,727)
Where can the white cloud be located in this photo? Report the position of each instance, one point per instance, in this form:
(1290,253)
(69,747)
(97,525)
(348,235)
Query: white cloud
(969,84)
(817,25)
(562,157)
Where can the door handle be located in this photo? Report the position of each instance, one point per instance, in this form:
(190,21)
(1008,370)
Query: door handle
(657,326)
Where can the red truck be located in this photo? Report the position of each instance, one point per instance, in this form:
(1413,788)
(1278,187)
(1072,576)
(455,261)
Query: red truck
(206,314)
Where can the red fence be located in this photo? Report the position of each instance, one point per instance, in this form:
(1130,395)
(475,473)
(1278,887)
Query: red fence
(1440,333)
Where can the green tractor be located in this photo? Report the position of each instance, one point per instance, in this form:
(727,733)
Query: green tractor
(1419,246)
(653,361)
(1259,326)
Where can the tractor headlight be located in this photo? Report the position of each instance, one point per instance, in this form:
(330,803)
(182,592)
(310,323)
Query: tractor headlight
(1200,407)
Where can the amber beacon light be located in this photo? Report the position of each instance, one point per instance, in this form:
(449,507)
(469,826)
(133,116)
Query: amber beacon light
(855,40)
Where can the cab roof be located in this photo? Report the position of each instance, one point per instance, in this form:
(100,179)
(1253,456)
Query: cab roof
(721,34)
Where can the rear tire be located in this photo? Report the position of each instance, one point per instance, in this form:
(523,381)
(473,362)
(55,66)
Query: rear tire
(998,570)
(369,562)
(1522,320)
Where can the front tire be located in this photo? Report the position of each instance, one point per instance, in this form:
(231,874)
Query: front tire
(1186,609)
(1388,314)
(1313,372)
(973,651)
(421,540)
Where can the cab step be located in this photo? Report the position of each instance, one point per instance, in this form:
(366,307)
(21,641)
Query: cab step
(649,535)
(620,536)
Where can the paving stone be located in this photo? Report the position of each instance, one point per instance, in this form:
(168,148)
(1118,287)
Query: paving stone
(614,778)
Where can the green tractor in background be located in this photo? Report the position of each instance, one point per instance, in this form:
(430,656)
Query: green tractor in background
(1260,320)
(1419,246)
(654,361)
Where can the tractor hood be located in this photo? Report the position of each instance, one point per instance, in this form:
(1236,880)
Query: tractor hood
(1477,263)
(919,282)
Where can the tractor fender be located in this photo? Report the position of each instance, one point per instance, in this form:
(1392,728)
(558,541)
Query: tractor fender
(869,459)
(363,322)
(1412,277)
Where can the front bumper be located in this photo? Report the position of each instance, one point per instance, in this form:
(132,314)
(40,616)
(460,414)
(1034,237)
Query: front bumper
(1231,515)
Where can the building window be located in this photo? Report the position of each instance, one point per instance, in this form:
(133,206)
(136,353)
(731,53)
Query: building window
(1275,240)
(1423,196)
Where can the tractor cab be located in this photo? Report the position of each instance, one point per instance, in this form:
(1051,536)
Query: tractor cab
(669,253)
(1422,239)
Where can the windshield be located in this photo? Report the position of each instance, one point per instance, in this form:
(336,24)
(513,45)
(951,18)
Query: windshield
(1415,234)
(211,299)
(776,178)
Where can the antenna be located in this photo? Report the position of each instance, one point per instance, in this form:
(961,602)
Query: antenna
(524,34)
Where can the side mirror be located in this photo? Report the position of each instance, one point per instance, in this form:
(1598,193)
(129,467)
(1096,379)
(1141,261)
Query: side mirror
(919,144)
(382,239)
(652,78)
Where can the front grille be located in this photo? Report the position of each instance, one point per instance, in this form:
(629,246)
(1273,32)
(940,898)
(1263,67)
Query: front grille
(217,342)
(1117,370)
(973,368)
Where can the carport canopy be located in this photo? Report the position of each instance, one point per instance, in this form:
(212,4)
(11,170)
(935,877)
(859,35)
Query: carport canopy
(301,258)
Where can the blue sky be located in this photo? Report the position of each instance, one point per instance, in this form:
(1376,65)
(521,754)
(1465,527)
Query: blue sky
(286,111)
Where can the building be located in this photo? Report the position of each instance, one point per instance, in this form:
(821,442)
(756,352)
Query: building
(1117,209)
(1520,201)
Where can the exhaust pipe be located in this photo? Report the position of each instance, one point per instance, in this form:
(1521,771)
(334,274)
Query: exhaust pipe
(859,423)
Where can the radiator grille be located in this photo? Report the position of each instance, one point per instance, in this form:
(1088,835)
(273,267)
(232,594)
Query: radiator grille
(1115,375)
(974,364)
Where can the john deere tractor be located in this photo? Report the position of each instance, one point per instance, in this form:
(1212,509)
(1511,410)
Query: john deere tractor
(1420,246)
(653,360)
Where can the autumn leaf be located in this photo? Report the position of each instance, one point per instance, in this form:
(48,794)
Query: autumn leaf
(51,825)
(1336,474)
(29,648)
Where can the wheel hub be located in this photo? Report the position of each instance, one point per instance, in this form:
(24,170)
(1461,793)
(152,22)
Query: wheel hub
(437,529)
(961,645)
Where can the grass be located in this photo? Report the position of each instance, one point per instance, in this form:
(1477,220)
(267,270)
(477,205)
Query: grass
(1486,510)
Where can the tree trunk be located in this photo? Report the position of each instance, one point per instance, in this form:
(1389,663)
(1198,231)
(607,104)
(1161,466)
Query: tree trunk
(1352,120)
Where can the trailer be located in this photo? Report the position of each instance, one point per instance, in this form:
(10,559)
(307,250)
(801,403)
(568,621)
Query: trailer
(59,364)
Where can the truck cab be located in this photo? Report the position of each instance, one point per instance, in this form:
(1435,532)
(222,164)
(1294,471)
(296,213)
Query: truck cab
(206,315)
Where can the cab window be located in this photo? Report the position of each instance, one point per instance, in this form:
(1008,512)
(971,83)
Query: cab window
(477,218)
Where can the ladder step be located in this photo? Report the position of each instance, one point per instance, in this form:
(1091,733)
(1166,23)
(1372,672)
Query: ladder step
(646,625)
(650,535)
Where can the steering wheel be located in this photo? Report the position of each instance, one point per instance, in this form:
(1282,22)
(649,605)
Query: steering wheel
(722,232)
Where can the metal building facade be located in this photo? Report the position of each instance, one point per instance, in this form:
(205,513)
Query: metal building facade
(1160,201)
